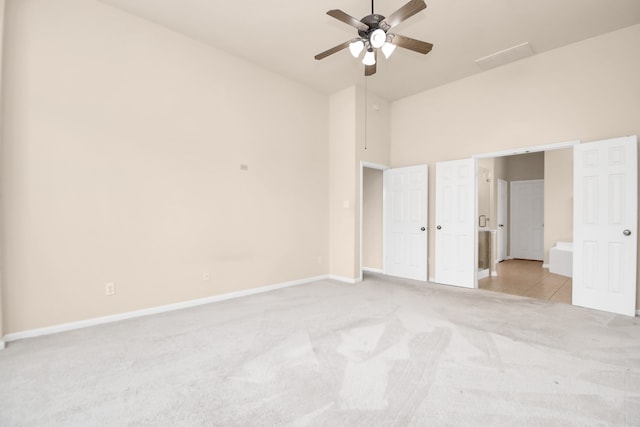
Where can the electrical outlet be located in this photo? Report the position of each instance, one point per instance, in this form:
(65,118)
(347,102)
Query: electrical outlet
(110,288)
(206,276)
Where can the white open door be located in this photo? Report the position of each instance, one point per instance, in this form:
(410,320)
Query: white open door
(605,225)
(456,240)
(405,218)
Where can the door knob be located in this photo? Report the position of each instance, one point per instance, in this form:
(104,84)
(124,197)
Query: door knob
(627,232)
(422,228)
(500,225)
(439,228)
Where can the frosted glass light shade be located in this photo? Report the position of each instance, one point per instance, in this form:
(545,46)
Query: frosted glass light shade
(378,38)
(356,48)
(388,49)
(369,58)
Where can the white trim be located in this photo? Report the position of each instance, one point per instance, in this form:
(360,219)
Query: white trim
(482,274)
(525,150)
(377,166)
(545,266)
(154,310)
(372,270)
(2,345)
(343,279)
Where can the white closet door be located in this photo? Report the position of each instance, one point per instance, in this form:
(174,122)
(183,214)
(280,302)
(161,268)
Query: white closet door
(406,213)
(456,251)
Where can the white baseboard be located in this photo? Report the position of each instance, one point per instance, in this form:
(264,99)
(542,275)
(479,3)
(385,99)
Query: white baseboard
(2,345)
(344,279)
(494,273)
(483,273)
(152,310)
(545,266)
(372,270)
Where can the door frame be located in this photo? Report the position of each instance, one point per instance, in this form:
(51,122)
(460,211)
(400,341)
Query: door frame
(524,150)
(500,244)
(380,167)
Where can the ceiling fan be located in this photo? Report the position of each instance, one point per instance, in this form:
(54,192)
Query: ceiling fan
(373,34)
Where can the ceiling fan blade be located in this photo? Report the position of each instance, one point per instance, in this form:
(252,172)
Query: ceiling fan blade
(332,50)
(370,70)
(405,12)
(347,19)
(412,44)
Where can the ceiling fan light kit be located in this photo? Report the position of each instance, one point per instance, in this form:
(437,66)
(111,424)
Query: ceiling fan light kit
(373,32)
(388,49)
(377,38)
(356,47)
(369,58)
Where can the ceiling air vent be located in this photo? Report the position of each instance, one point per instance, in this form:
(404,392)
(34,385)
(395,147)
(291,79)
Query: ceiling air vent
(511,54)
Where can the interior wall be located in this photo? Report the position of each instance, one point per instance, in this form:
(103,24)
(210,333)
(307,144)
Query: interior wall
(562,95)
(135,155)
(342,186)
(359,132)
(525,167)
(372,219)
(373,143)
(2,6)
(558,198)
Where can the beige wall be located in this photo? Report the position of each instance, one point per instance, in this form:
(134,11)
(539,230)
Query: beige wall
(2,6)
(376,119)
(342,186)
(525,167)
(558,198)
(122,150)
(372,219)
(359,132)
(586,91)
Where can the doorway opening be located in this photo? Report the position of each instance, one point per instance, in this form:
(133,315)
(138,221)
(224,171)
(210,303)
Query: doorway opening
(519,247)
(371,218)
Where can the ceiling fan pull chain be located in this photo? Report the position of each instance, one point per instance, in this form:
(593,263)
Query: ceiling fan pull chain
(372,7)
(366,110)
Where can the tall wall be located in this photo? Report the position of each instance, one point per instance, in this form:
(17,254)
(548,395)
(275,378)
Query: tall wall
(359,132)
(342,186)
(373,147)
(2,7)
(123,146)
(586,91)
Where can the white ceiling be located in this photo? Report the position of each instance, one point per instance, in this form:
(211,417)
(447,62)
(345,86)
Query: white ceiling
(284,35)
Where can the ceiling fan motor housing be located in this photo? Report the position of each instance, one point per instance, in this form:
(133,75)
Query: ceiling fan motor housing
(373,22)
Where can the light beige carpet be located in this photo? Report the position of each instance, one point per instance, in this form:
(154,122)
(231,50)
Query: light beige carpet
(386,352)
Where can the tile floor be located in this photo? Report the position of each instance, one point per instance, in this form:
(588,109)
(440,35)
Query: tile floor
(529,279)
